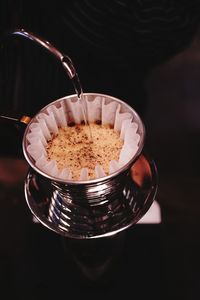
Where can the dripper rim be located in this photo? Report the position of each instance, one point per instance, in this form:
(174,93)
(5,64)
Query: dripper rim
(122,169)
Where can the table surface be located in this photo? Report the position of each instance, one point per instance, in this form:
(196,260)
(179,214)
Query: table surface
(157,261)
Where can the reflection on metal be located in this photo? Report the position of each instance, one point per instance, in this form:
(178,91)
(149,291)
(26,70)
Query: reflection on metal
(25,119)
(87,217)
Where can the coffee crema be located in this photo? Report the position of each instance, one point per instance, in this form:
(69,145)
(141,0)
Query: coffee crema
(71,148)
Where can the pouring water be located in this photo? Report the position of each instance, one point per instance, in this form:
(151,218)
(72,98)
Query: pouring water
(67,65)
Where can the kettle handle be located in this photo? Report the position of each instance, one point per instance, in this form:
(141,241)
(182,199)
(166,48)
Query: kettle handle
(20,123)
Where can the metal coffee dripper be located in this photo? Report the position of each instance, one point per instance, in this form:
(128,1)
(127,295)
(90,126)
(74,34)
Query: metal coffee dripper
(98,208)
(92,208)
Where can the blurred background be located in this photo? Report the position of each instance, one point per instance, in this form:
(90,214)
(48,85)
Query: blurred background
(146,53)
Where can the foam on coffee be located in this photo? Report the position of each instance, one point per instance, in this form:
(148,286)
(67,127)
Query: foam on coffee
(71,148)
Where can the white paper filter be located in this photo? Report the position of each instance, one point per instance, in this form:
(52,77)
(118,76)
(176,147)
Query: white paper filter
(69,110)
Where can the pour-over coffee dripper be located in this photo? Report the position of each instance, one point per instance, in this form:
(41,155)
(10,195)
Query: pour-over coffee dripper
(100,208)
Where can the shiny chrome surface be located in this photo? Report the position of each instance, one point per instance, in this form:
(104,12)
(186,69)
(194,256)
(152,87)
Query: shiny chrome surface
(85,217)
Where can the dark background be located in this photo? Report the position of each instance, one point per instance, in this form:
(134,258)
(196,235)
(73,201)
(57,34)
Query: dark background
(147,53)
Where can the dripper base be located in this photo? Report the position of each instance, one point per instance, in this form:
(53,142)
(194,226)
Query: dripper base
(138,194)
